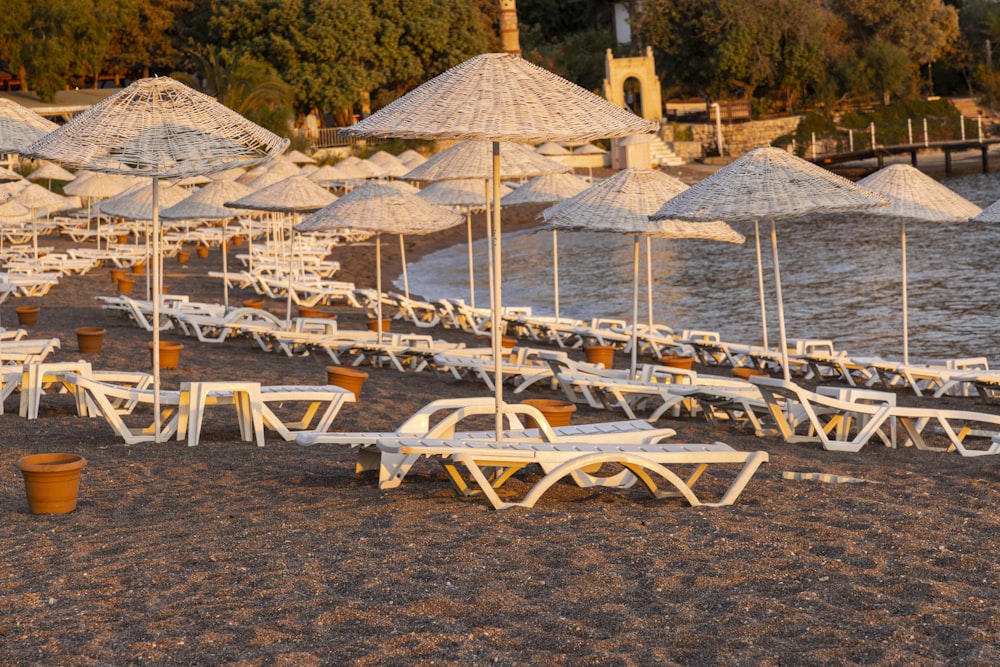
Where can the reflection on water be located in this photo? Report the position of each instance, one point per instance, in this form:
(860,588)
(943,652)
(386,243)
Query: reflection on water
(840,280)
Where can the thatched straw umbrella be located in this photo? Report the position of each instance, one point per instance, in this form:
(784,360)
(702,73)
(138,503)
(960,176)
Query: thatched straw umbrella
(381,208)
(500,97)
(293,195)
(768,183)
(209,203)
(158,128)
(623,204)
(914,195)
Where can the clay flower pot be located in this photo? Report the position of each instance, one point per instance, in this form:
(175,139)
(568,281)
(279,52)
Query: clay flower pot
(117,274)
(601,354)
(556,412)
(745,372)
(122,239)
(237,241)
(253,303)
(183,256)
(170,353)
(139,268)
(203,251)
(27,316)
(348,378)
(310,311)
(373,324)
(676,361)
(125,285)
(51,482)
(90,339)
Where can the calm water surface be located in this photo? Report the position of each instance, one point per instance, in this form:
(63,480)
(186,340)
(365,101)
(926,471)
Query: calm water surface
(840,280)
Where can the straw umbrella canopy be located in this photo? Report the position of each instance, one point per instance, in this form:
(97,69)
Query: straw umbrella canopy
(548,189)
(552,149)
(589,149)
(467,194)
(392,165)
(209,204)
(474,160)
(194,181)
(916,196)
(298,157)
(500,97)
(381,208)
(8,176)
(280,167)
(50,171)
(98,185)
(294,195)
(990,214)
(411,158)
(158,128)
(623,204)
(20,127)
(768,183)
(136,202)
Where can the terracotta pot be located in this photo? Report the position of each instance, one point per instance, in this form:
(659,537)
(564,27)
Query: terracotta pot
(183,256)
(601,354)
(117,274)
(745,372)
(253,303)
(51,482)
(556,412)
(125,285)
(27,316)
(676,361)
(123,239)
(348,378)
(373,324)
(89,340)
(237,241)
(139,268)
(170,353)
(310,311)
(203,251)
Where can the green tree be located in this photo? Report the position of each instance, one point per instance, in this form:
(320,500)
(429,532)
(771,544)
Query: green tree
(247,86)
(13,36)
(923,30)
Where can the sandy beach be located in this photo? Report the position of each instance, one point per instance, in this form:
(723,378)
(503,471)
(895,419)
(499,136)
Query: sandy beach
(227,553)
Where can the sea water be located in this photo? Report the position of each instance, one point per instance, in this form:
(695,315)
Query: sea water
(840,276)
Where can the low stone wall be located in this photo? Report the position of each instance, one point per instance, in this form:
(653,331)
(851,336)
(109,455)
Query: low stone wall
(738,138)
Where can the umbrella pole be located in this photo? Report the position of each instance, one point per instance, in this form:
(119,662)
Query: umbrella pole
(635,307)
(472,273)
(497,295)
(157,435)
(291,257)
(906,325)
(378,286)
(402,257)
(555,270)
(649,282)
(781,306)
(760,282)
(225,270)
(489,238)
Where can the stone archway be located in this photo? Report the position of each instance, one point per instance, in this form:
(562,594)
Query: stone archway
(637,77)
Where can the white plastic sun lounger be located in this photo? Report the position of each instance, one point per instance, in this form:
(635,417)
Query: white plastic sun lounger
(440,419)
(490,464)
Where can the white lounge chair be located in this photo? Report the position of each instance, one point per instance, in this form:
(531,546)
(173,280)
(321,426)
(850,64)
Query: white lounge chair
(561,459)
(842,425)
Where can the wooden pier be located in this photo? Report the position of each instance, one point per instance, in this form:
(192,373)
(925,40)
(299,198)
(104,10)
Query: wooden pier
(879,153)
